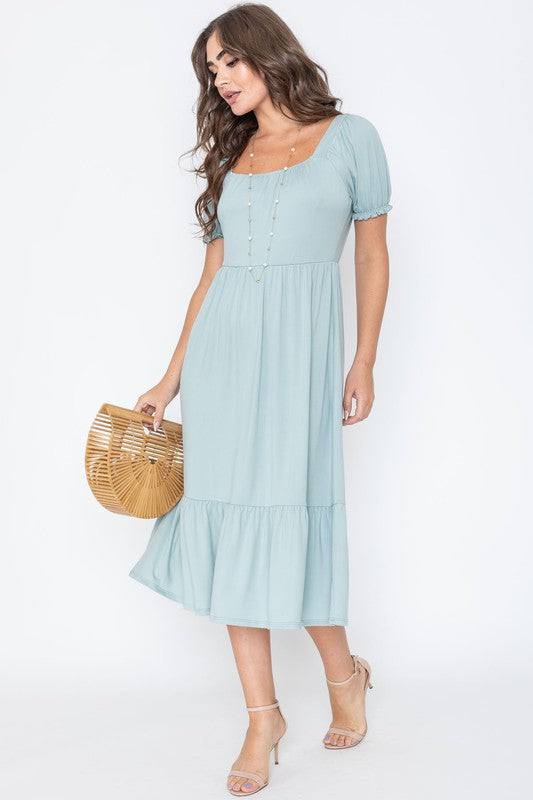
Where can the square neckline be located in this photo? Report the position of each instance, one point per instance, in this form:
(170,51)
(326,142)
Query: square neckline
(300,163)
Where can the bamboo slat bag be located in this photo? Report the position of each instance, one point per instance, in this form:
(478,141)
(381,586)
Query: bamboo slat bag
(132,469)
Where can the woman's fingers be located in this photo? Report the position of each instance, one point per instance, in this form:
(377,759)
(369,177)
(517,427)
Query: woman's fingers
(363,406)
(158,417)
(143,406)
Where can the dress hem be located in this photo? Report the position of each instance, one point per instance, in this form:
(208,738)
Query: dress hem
(233,620)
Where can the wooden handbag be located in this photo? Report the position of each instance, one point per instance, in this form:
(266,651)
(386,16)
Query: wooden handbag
(132,469)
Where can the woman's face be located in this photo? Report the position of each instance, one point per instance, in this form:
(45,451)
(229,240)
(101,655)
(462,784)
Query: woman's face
(232,74)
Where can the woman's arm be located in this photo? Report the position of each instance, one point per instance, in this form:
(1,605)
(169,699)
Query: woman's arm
(371,287)
(156,399)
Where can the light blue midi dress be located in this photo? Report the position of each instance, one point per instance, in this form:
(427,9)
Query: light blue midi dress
(259,536)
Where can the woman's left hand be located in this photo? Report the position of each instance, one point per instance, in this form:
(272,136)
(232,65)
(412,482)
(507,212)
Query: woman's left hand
(359,385)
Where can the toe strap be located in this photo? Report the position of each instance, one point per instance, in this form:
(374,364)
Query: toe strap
(255,776)
(346,732)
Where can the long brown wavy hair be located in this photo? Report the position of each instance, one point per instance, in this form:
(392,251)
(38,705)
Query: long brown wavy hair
(257,35)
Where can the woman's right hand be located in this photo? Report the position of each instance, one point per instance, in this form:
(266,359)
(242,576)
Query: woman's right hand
(156,400)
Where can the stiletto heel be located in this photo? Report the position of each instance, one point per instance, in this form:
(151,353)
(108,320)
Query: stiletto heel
(366,665)
(346,732)
(256,776)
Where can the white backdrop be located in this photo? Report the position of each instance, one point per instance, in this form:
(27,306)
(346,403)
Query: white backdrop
(99,261)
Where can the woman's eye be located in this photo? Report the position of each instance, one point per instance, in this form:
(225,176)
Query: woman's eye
(229,64)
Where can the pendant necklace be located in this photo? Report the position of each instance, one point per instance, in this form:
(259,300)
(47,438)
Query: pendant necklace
(276,201)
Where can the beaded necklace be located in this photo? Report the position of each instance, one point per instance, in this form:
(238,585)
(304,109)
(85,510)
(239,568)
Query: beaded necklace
(276,201)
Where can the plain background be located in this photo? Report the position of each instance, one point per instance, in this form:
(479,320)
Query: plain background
(110,688)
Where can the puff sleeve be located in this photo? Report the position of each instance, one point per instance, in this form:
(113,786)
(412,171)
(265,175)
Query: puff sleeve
(217,231)
(360,158)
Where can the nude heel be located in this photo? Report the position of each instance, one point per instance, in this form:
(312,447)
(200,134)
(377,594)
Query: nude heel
(366,665)
(256,776)
(276,756)
(358,662)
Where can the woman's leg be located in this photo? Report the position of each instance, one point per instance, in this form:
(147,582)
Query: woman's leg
(347,701)
(251,648)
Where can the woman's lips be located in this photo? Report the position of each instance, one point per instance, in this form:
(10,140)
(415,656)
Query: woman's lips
(233,97)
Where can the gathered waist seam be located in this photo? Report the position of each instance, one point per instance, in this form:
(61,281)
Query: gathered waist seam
(292,264)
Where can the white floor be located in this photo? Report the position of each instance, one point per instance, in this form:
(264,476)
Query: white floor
(424,742)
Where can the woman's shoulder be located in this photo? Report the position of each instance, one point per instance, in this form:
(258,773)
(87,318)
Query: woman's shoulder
(354,128)
(354,118)
(355,139)
(358,156)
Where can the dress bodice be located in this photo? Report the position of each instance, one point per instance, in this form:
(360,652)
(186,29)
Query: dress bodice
(347,177)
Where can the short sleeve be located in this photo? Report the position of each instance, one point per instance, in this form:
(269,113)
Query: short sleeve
(217,231)
(360,157)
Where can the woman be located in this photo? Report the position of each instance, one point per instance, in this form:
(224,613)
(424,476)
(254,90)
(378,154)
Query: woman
(258,540)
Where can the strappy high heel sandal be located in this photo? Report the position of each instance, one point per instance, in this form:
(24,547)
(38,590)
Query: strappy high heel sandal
(350,734)
(256,776)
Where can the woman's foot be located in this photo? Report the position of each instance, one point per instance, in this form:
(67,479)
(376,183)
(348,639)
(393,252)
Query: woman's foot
(348,708)
(263,730)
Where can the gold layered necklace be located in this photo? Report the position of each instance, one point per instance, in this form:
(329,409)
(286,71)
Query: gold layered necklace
(274,210)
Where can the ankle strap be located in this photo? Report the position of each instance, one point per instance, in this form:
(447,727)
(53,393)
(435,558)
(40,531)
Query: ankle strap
(262,708)
(355,672)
